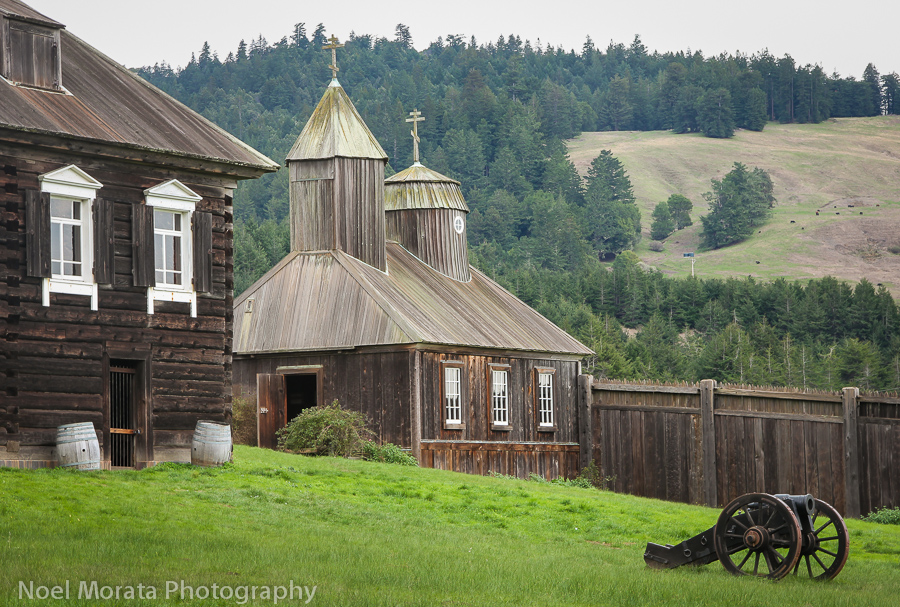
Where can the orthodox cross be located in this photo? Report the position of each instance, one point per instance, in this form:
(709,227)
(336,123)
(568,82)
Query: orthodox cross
(416,119)
(333,46)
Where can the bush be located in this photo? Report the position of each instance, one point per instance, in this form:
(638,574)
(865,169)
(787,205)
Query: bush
(243,420)
(388,453)
(895,249)
(326,430)
(656,246)
(885,516)
(591,474)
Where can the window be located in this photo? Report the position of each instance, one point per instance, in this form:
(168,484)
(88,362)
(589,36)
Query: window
(32,52)
(63,255)
(499,397)
(546,419)
(452,395)
(168,245)
(453,388)
(164,237)
(67,246)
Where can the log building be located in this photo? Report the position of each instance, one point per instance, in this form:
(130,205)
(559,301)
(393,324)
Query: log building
(116,265)
(377,306)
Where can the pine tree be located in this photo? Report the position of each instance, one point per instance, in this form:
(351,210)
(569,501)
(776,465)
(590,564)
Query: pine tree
(715,115)
(402,36)
(680,207)
(738,203)
(298,37)
(615,110)
(662,224)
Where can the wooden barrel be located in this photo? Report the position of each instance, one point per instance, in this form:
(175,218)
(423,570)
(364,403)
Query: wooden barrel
(77,446)
(212,444)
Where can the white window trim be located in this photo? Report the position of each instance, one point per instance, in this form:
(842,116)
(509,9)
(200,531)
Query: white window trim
(542,400)
(174,196)
(499,402)
(72,183)
(447,395)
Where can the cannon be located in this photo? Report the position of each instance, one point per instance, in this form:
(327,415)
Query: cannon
(766,536)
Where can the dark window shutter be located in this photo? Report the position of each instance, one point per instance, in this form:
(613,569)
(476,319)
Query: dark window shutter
(104,242)
(202,252)
(37,233)
(144,265)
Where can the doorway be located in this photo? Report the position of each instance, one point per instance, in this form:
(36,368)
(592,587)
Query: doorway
(301,392)
(122,400)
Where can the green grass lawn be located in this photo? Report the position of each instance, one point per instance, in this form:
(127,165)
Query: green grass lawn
(377,534)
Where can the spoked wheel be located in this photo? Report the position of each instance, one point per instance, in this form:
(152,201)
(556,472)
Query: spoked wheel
(825,549)
(758,534)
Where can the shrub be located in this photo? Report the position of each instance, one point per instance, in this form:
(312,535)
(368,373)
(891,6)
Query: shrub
(591,474)
(243,420)
(326,430)
(895,249)
(656,246)
(885,516)
(388,453)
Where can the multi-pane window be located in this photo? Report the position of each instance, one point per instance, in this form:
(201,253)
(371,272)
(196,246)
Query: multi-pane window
(67,238)
(452,395)
(168,248)
(499,397)
(545,399)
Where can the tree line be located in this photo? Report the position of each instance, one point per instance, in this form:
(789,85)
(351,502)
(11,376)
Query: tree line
(485,103)
(496,115)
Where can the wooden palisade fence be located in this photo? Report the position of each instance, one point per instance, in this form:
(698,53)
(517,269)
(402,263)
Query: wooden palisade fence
(708,444)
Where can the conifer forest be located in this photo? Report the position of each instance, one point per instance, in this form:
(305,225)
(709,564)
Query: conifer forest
(497,114)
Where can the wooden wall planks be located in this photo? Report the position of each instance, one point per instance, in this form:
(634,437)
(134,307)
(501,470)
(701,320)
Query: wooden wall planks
(52,358)
(651,439)
(430,235)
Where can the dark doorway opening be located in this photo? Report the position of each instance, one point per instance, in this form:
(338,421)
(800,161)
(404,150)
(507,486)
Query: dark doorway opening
(122,399)
(302,392)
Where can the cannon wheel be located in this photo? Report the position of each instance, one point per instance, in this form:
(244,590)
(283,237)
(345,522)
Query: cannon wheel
(825,550)
(758,534)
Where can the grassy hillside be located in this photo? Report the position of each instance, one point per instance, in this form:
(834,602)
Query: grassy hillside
(826,167)
(374,534)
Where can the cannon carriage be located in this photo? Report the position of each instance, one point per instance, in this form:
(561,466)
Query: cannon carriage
(766,536)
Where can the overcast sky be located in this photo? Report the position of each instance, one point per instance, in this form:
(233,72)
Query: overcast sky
(143,33)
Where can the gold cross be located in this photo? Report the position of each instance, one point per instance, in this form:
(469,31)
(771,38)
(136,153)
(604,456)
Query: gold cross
(333,46)
(416,119)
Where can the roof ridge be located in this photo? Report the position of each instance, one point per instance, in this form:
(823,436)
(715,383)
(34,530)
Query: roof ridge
(377,296)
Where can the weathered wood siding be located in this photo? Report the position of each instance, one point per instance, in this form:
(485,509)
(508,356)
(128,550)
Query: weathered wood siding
(779,445)
(658,441)
(374,383)
(648,443)
(53,360)
(523,422)
(879,453)
(429,234)
(549,460)
(30,54)
(338,203)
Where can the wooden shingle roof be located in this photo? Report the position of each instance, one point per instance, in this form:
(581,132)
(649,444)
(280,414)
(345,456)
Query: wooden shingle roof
(331,300)
(335,129)
(107,104)
(419,187)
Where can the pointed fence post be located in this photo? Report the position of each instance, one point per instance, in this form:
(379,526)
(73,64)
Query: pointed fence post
(851,452)
(708,441)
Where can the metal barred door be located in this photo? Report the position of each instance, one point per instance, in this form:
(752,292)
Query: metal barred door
(121,416)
